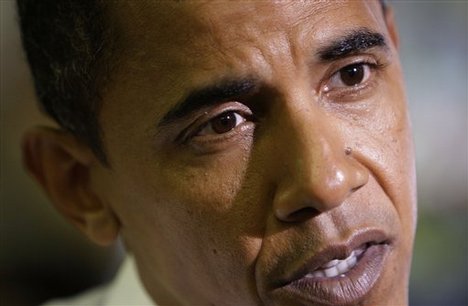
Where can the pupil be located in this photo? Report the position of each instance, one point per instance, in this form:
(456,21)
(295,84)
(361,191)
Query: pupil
(224,123)
(352,75)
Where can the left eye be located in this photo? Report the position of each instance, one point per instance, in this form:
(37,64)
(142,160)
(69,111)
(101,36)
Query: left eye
(350,76)
(223,123)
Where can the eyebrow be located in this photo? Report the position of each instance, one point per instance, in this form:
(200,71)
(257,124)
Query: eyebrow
(203,97)
(227,89)
(354,42)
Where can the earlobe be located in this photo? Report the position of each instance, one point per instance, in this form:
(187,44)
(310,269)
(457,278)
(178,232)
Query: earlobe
(391,26)
(63,166)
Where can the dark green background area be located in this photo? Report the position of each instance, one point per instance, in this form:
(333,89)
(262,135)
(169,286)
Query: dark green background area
(434,52)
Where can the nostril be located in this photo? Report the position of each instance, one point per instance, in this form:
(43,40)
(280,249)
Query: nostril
(302,214)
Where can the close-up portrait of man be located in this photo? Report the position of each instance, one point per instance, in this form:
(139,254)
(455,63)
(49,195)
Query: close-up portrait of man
(243,152)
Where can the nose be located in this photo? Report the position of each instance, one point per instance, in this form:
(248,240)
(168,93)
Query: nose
(319,172)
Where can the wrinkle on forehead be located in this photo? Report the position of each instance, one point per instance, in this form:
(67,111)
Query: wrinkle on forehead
(180,44)
(153,20)
(202,25)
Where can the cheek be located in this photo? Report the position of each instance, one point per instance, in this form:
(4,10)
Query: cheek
(217,207)
(382,142)
(385,142)
(397,145)
(203,215)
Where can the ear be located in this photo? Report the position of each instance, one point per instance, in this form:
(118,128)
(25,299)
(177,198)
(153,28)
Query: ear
(391,26)
(64,166)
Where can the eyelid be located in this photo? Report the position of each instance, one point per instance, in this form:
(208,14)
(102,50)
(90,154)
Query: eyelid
(203,120)
(369,58)
(377,62)
(207,129)
(369,67)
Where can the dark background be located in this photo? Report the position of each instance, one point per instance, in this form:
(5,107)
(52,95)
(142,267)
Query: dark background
(42,256)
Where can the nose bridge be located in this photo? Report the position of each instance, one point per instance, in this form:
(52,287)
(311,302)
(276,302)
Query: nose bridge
(318,172)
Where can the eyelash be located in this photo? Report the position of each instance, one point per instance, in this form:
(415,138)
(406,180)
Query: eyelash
(343,94)
(192,133)
(354,92)
(210,127)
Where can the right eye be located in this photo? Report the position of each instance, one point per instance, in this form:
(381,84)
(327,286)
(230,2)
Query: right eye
(350,76)
(222,123)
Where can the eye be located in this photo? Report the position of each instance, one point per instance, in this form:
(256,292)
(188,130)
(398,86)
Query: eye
(222,123)
(349,76)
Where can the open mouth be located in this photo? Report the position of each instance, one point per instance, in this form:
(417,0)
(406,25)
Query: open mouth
(339,267)
(339,275)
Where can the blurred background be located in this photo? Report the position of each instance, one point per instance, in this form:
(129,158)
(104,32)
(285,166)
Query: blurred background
(39,252)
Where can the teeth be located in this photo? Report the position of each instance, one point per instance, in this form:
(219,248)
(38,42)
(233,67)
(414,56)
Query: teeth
(343,266)
(331,263)
(351,261)
(331,272)
(337,267)
(335,262)
(358,252)
(316,274)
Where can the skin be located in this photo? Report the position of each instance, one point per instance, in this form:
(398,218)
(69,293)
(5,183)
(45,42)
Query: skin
(212,219)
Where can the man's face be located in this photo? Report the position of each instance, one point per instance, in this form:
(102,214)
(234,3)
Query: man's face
(256,145)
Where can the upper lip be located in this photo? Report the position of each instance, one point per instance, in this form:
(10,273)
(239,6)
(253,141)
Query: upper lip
(336,251)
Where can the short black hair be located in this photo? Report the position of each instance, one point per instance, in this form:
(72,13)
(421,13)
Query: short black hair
(69,45)
(71,49)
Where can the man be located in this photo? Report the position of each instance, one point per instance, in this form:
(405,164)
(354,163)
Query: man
(247,153)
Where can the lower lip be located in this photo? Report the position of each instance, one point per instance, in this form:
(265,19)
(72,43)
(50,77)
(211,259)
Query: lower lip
(345,289)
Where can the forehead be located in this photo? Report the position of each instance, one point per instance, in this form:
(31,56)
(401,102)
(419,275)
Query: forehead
(170,48)
(160,25)
(140,14)
(164,38)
